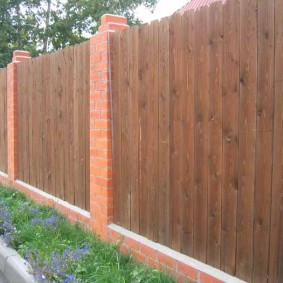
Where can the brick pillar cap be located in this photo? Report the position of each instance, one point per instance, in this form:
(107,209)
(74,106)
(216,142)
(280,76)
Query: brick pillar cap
(108,18)
(21,53)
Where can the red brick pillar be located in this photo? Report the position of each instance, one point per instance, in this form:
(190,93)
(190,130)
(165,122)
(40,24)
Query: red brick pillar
(101,185)
(18,56)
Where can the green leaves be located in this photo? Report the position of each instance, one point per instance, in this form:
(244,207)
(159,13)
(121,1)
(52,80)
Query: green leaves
(41,26)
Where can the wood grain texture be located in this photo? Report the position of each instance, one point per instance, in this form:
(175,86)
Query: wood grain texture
(215,166)
(201,134)
(265,114)
(247,138)
(231,85)
(54,124)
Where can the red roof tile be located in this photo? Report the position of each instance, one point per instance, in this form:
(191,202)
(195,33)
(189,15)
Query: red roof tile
(195,4)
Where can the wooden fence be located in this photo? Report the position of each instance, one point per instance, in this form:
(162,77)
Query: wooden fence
(3,120)
(198,131)
(53,124)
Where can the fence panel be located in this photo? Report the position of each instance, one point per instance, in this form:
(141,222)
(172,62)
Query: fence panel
(3,121)
(198,135)
(53,124)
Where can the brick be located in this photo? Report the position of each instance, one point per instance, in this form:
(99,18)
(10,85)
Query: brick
(191,272)
(148,251)
(102,105)
(167,260)
(132,243)
(113,19)
(102,124)
(139,256)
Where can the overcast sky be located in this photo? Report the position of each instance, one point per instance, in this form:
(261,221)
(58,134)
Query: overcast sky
(163,9)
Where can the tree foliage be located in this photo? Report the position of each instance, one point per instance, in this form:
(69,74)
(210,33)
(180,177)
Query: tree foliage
(41,26)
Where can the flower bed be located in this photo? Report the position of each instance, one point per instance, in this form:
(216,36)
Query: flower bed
(61,252)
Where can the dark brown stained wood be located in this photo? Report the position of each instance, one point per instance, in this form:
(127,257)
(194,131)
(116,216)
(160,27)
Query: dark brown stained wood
(125,129)
(215,36)
(86,119)
(152,139)
(117,158)
(164,205)
(31,119)
(134,120)
(176,129)
(69,131)
(53,132)
(230,69)
(201,133)
(188,114)
(51,126)
(276,235)
(46,122)
(144,127)
(247,138)
(3,121)
(265,114)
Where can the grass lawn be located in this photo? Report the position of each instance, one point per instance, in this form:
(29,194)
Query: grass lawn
(59,251)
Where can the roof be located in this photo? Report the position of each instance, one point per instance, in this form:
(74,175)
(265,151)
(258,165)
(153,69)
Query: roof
(195,4)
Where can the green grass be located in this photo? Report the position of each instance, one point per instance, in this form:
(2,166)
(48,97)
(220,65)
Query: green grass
(102,262)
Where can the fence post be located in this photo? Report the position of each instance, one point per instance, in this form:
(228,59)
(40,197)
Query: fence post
(101,187)
(12,132)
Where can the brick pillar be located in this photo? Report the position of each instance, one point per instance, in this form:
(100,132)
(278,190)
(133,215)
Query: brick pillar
(101,185)
(18,56)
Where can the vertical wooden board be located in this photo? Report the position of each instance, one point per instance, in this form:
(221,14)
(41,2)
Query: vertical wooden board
(79,162)
(86,123)
(265,113)
(143,126)
(41,115)
(134,124)
(215,37)
(188,112)
(31,119)
(69,159)
(164,198)
(35,117)
(152,139)
(66,93)
(247,138)
(276,235)
(125,131)
(116,90)
(176,130)
(201,132)
(231,53)
(46,123)
(60,118)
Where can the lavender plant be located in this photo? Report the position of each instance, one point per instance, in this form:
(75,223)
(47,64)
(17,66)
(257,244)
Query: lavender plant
(7,229)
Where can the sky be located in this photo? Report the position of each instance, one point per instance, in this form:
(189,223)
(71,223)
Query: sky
(163,9)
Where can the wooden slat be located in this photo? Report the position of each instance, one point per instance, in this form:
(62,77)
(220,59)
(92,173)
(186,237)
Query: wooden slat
(117,158)
(265,113)
(247,138)
(201,132)
(276,235)
(164,142)
(176,130)
(144,127)
(231,53)
(134,120)
(188,114)
(215,36)
(152,138)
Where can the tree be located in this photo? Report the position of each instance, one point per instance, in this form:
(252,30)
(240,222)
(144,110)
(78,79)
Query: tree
(41,26)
